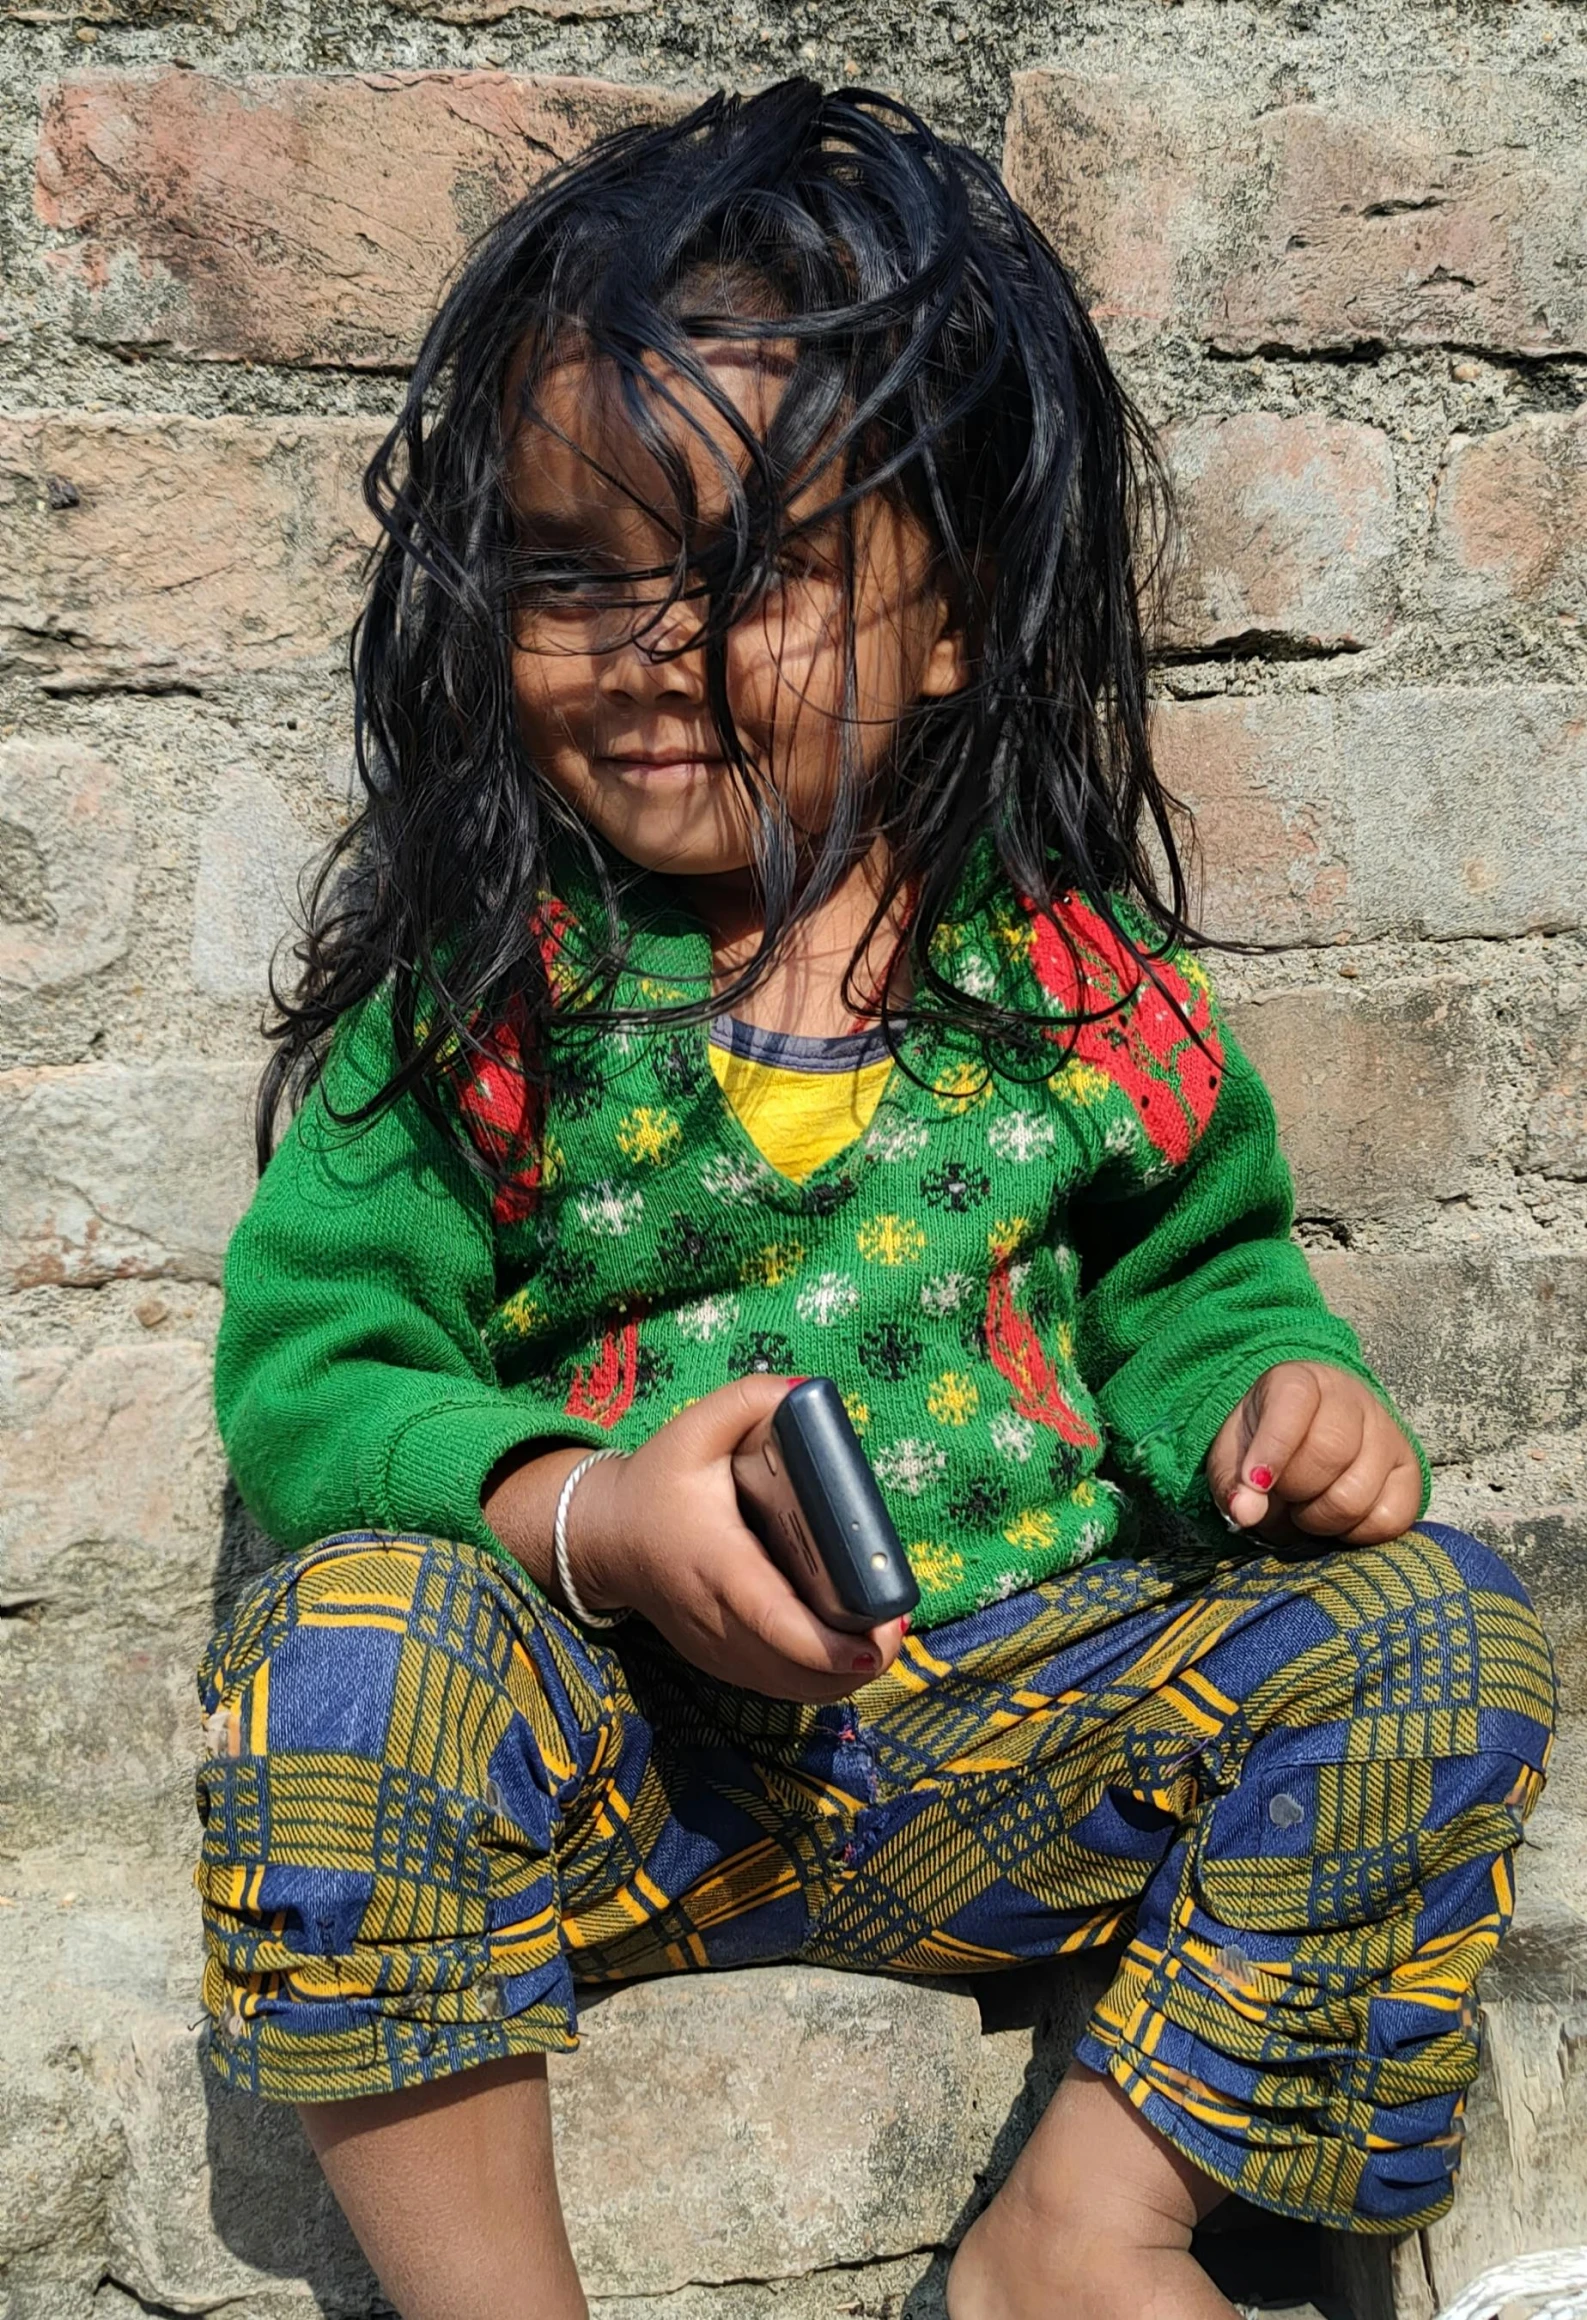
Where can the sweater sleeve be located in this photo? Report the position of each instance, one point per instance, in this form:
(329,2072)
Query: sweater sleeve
(1192,1288)
(352,1384)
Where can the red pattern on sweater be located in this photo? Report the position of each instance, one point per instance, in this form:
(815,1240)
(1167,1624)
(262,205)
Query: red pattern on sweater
(1146,1046)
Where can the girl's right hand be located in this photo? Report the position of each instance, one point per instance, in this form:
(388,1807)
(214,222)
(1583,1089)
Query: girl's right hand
(660,1533)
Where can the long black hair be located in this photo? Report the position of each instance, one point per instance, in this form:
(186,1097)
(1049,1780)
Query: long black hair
(936,351)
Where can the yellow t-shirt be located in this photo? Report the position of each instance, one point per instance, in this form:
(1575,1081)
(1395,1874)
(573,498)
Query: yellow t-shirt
(800,1101)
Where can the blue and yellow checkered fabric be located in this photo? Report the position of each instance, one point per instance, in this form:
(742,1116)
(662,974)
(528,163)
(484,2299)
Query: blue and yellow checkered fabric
(1290,1789)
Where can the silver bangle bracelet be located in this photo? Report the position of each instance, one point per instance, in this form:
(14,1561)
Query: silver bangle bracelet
(559,1546)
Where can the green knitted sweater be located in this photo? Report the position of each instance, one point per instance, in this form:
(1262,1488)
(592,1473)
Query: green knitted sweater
(1040,1297)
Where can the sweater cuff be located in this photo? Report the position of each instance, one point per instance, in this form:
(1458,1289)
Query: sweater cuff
(434,1466)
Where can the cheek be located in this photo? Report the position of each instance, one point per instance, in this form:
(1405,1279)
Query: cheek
(551,689)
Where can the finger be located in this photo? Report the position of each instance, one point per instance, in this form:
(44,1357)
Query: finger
(1286,1402)
(1226,1457)
(782,1626)
(1373,1500)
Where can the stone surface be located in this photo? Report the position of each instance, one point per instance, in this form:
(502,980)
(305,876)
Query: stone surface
(67,868)
(1556,1126)
(192,551)
(1418,812)
(1511,519)
(1442,1329)
(1381,1093)
(813,2118)
(108,1173)
(1409,210)
(1288,529)
(253,853)
(110,1513)
(294,218)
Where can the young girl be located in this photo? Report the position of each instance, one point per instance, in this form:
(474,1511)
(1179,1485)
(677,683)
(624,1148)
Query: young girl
(749,962)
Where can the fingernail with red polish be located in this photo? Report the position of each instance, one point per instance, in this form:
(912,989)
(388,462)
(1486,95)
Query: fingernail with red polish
(866,1664)
(904,1625)
(1261,1478)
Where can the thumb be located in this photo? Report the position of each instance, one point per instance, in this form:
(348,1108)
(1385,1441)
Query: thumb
(714,1426)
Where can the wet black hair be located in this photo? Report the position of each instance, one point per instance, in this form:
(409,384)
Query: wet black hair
(938,352)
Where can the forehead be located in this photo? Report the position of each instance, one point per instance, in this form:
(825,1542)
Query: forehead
(589,440)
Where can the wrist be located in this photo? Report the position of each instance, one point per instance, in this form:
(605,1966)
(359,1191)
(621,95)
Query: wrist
(590,1536)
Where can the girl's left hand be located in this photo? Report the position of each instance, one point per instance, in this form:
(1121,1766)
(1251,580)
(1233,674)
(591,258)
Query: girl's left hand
(1311,1452)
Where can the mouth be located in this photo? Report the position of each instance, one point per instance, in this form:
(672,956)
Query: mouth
(663,766)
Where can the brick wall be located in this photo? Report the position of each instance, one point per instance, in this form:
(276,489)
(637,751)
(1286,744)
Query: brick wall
(1338,252)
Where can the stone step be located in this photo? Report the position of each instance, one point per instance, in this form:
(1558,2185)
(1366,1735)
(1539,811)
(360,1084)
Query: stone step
(781,2144)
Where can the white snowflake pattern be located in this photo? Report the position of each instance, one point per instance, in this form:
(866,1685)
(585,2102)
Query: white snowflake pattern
(976,975)
(709,1317)
(1014,1436)
(898,1139)
(1018,1275)
(1090,1538)
(1065,1260)
(610,1210)
(826,1299)
(946,1292)
(1020,1136)
(727,1178)
(909,1465)
(1124,1134)
(999,1589)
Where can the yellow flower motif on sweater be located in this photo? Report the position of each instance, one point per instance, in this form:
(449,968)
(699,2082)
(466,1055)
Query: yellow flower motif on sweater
(1066,1340)
(891,1240)
(522,1314)
(648,1134)
(1082,1083)
(1005,1237)
(1031,1531)
(953,1399)
(1013,936)
(1084,1494)
(553,1161)
(961,1086)
(777,1262)
(937,1568)
(859,1412)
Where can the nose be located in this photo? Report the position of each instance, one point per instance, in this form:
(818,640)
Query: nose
(661,658)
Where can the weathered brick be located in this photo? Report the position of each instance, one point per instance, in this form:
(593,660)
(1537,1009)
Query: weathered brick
(1436,207)
(110,1488)
(109,1174)
(294,219)
(1382,1100)
(1478,1347)
(1288,530)
(1439,813)
(161,552)
(252,855)
(67,873)
(1511,520)
(1556,1126)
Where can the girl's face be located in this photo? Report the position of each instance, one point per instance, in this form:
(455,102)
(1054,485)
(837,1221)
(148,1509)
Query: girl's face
(611,688)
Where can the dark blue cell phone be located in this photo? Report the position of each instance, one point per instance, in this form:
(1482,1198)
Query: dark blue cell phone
(808,1493)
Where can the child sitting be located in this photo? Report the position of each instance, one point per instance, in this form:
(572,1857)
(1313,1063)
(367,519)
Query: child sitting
(763,952)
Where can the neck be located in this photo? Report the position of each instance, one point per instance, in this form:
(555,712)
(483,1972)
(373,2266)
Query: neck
(803,990)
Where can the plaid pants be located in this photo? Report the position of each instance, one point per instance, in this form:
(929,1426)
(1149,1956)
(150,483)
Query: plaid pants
(1289,1788)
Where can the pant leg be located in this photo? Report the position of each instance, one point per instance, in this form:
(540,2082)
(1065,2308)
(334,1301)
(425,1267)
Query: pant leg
(430,1804)
(1296,2009)
(1294,1784)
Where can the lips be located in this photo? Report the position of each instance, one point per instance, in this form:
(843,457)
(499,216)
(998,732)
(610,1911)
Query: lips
(679,762)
